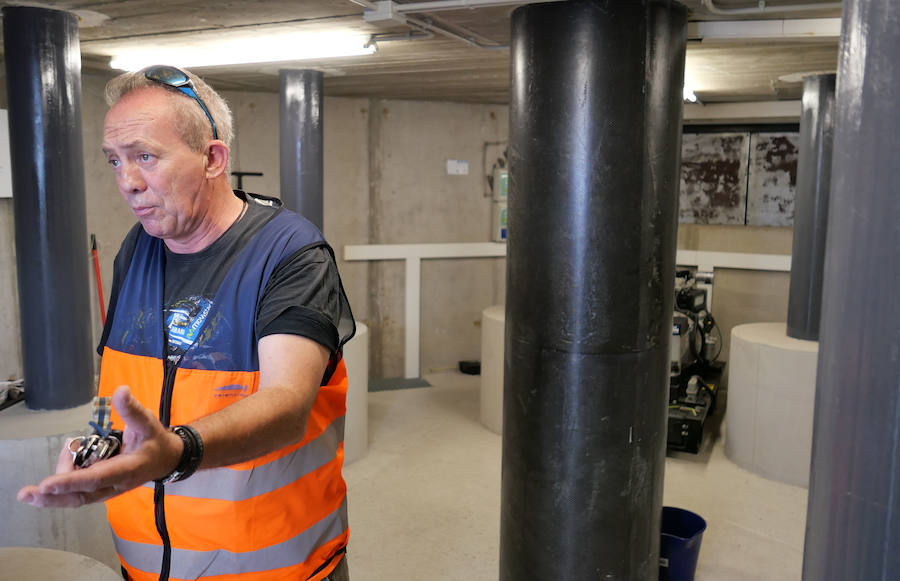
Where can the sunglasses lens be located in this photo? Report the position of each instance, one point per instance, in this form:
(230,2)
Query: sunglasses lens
(168,75)
(177,79)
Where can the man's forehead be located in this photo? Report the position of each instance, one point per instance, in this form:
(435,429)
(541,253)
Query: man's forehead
(145,103)
(135,115)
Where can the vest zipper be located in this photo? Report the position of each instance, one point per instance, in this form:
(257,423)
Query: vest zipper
(159,490)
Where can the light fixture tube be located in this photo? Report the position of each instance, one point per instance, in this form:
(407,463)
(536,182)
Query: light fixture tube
(261,49)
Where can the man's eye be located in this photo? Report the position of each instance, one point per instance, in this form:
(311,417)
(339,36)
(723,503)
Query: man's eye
(145,157)
(113,162)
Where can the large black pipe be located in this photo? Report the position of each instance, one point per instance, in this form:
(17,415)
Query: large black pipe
(666,48)
(301,136)
(43,83)
(590,258)
(853,522)
(811,207)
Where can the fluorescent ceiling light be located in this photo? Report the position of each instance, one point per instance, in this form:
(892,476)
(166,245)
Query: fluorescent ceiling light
(236,51)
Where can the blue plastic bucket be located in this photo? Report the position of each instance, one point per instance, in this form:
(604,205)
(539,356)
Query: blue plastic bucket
(682,532)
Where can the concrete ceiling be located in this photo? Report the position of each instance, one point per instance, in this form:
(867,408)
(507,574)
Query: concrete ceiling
(437,67)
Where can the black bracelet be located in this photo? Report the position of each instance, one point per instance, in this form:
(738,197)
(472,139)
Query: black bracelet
(191,456)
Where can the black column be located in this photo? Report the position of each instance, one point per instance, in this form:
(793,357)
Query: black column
(302,162)
(811,207)
(853,522)
(593,190)
(43,80)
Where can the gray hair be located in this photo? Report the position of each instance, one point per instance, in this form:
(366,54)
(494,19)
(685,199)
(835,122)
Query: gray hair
(193,126)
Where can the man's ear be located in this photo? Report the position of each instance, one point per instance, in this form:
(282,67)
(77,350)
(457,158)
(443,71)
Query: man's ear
(216,159)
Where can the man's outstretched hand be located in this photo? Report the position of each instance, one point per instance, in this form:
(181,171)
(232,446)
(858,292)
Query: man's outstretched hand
(149,452)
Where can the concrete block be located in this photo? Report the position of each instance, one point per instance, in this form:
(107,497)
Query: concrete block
(356,426)
(771,400)
(32,564)
(30,442)
(493,326)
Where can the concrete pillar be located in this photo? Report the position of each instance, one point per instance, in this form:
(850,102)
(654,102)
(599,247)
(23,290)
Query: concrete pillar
(853,522)
(30,442)
(43,80)
(592,198)
(811,207)
(302,163)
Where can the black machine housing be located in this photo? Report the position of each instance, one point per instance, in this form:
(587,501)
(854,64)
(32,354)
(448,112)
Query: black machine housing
(694,370)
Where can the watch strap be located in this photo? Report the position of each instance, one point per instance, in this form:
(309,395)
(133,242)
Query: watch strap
(191,456)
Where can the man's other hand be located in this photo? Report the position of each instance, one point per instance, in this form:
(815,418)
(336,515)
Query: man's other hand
(149,452)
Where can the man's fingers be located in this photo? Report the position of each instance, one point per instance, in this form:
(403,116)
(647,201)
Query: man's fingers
(136,417)
(26,494)
(31,495)
(64,462)
(122,472)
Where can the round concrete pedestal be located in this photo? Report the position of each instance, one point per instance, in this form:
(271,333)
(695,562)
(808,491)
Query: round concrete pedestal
(771,399)
(30,442)
(493,322)
(356,425)
(32,564)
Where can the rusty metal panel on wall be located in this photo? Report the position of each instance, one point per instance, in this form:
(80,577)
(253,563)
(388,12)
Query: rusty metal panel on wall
(714,178)
(773,179)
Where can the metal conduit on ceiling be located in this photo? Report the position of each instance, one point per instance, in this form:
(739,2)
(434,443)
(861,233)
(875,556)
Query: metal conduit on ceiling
(763,8)
(395,12)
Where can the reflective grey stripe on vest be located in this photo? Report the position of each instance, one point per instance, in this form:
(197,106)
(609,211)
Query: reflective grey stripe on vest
(236,485)
(188,564)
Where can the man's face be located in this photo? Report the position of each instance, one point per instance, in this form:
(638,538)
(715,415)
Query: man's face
(160,177)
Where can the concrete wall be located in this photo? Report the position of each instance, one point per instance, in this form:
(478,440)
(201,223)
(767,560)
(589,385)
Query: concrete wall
(386,182)
(413,200)
(10,344)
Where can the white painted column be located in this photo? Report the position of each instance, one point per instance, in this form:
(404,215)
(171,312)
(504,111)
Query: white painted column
(413,315)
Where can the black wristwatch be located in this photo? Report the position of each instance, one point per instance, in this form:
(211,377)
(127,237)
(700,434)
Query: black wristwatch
(191,456)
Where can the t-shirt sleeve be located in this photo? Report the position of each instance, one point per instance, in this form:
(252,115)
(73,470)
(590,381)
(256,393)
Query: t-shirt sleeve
(304,297)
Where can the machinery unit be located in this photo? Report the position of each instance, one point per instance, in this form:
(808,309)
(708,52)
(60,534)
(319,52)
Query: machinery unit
(679,347)
(688,410)
(694,370)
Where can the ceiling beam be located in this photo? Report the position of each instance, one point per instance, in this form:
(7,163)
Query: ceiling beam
(750,112)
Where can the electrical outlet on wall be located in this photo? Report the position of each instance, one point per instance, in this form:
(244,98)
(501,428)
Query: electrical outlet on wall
(457,167)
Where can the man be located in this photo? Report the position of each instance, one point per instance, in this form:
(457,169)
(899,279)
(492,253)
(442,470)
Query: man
(226,322)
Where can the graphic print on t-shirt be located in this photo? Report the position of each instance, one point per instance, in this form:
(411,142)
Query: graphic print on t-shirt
(184,321)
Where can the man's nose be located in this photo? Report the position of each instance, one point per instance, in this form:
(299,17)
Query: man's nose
(130,179)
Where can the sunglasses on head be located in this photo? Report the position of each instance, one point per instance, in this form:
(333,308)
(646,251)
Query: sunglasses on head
(178,79)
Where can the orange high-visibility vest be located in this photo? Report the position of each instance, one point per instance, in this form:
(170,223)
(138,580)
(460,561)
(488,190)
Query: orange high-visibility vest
(282,516)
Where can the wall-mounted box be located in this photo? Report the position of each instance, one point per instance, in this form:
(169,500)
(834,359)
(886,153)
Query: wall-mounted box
(498,221)
(500,185)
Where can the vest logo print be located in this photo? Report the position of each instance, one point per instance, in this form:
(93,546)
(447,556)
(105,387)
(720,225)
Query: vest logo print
(185,319)
(233,390)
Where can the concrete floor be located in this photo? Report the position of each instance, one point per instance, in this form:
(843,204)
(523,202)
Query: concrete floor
(425,500)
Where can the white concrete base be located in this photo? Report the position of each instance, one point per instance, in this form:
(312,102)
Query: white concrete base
(771,400)
(493,325)
(356,426)
(30,442)
(31,564)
